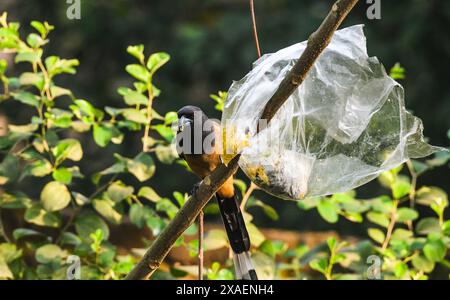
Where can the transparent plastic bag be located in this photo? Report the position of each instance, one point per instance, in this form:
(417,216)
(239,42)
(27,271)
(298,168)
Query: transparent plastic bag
(341,128)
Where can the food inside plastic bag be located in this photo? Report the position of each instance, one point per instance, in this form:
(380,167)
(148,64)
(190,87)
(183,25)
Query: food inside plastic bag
(341,128)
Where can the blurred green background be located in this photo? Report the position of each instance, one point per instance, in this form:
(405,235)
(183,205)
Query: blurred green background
(211,44)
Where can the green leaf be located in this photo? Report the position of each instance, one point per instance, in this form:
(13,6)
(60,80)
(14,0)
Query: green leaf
(400,269)
(62,175)
(134,116)
(68,238)
(439,159)
(14,201)
(55,196)
(20,233)
(137,51)
(397,72)
(319,264)
(5,271)
(27,98)
(142,167)
(80,199)
(446,227)
(57,91)
(35,79)
(35,41)
(56,66)
(177,273)
(191,230)
(434,250)
(133,98)
(140,214)
(215,239)
(40,28)
(157,60)
(376,234)
(170,118)
(9,169)
(49,253)
(103,133)
(167,206)
(405,214)
(331,242)
(328,211)
(149,194)
(166,154)
(273,248)
(156,224)
(113,112)
(421,263)
(88,109)
(3,66)
(382,204)
(268,210)
(179,197)
(118,191)
(401,234)
(41,168)
(432,195)
(165,131)
(400,189)
(419,167)
(27,56)
(37,215)
(219,99)
(9,252)
(87,224)
(59,118)
(68,149)
(80,126)
(106,208)
(138,72)
(378,218)
(256,236)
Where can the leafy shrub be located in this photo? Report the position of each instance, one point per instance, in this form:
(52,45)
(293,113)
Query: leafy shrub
(65,221)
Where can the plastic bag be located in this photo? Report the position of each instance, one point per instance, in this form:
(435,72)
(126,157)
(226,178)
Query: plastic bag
(341,128)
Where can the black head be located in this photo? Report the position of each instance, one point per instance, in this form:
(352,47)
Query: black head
(189,111)
(188,114)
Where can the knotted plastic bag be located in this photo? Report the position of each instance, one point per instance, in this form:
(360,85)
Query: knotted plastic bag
(343,126)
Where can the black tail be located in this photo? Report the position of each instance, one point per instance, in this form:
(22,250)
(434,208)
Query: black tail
(238,236)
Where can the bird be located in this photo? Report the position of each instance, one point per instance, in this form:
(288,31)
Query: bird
(199,143)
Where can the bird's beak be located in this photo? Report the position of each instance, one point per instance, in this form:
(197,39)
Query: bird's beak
(182,123)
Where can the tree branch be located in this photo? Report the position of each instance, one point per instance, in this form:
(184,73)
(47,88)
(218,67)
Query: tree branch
(317,42)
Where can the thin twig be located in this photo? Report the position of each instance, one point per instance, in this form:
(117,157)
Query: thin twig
(391,226)
(258,51)
(412,191)
(247,195)
(103,187)
(200,245)
(149,119)
(186,215)
(2,229)
(255,31)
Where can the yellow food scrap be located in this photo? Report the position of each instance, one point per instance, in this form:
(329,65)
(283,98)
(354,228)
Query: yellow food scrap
(231,144)
(258,174)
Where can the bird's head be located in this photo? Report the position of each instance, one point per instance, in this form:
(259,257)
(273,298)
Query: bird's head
(188,115)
